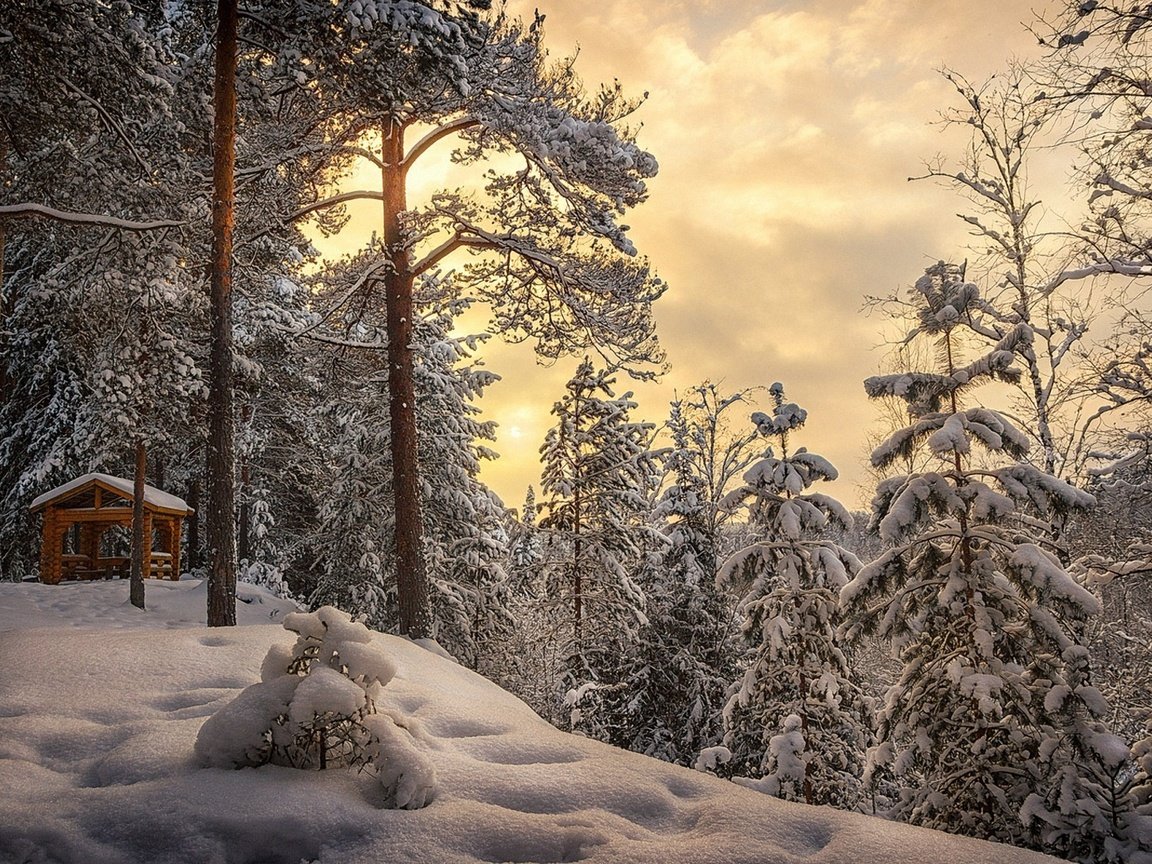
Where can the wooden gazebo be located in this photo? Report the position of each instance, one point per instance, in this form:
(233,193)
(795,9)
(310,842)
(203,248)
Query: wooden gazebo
(83,509)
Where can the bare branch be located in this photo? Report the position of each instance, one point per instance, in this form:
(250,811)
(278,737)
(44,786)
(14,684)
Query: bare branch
(343,197)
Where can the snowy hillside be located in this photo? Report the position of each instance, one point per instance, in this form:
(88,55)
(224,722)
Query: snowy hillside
(100,705)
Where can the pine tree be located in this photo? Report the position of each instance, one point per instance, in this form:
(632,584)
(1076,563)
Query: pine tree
(525,548)
(563,272)
(797,719)
(974,603)
(466,539)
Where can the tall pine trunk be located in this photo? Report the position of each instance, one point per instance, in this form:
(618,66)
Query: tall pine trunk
(244,521)
(221,520)
(577,541)
(7,304)
(192,523)
(411,579)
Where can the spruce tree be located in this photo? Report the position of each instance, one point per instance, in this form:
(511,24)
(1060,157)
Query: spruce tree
(993,711)
(598,476)
(675,678)
(797,721)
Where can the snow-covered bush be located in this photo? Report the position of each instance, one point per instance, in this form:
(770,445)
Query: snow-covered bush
(315,707)
(1142,784)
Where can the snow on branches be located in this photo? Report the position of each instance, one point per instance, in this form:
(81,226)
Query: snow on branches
(315,707)
(797,718)
(978,607)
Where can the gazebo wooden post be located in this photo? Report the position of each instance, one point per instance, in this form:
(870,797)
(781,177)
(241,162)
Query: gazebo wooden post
(174,546)
(147,574)
(89,543)
(51,549)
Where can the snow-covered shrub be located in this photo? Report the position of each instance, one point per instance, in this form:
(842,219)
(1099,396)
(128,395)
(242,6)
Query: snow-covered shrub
(1142,784)
(315,707)
(265,575)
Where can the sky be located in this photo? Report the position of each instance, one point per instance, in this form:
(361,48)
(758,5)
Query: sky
(785,131)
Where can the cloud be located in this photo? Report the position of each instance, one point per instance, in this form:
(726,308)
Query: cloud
(786,131)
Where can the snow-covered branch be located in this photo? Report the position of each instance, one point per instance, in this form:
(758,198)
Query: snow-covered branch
(16,211)
(1118,266)
(477,238)
(111,123)
(440,132)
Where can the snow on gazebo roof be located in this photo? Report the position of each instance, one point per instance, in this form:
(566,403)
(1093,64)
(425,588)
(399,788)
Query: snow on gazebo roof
(156,497)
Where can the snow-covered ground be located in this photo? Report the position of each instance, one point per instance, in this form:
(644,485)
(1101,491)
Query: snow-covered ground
(100,705)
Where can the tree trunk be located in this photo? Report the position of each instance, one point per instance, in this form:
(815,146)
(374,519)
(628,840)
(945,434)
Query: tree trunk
(579,479)
(412,583)
(136,585)
(6,306)
(6,303)
(193,522)
(221,521)
(244,522)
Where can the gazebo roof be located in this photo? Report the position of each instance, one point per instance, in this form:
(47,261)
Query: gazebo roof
(154,498)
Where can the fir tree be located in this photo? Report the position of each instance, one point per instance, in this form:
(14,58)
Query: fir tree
(597,478)
(797,719)
(676,676)
(525,548)
(976,606)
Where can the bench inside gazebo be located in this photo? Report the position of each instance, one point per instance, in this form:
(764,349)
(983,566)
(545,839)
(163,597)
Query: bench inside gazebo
(87,507)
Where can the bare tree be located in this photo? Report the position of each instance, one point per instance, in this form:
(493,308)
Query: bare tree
(1021,259)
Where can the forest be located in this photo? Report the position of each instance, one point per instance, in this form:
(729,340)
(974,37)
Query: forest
(972,655)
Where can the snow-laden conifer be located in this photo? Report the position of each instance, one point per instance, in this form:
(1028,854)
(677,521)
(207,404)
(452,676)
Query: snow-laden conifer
(316,707)
(796,723)
(550,256)
(597,480)
(676,676)
(993,727)
(525,545)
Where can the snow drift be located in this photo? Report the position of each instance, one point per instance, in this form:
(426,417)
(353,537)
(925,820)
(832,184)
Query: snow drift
(100,706)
